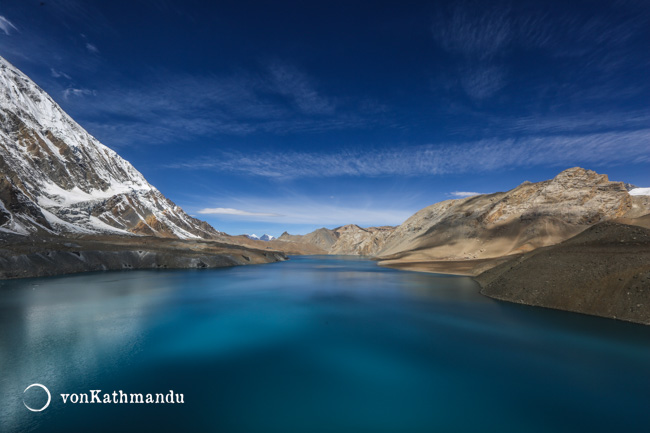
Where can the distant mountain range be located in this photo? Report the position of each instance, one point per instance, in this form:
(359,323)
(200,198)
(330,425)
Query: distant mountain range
(487,226)
(264,237)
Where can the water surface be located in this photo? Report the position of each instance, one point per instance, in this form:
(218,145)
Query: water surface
(316,344)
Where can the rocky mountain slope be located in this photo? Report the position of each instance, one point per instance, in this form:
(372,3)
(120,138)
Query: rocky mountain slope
(605,271)
(345,240)
(490,226)
(527,217)
(56,178)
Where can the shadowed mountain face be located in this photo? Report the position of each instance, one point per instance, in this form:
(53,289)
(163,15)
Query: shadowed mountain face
(605,271)
(527,217)
(55,178)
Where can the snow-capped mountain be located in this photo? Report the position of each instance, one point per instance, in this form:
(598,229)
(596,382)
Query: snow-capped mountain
(264,237)
(56,178)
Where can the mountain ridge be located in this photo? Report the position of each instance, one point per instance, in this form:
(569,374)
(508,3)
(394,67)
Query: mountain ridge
(56,178)
(70,204)
(487,226)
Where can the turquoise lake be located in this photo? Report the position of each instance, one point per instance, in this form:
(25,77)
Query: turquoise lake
(315,344)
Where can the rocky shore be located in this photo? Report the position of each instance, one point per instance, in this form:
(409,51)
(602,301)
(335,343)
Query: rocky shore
(576,242)
(37,256)
(603,271)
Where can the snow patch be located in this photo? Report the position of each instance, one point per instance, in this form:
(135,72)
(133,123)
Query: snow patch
(639,191)
(68,173)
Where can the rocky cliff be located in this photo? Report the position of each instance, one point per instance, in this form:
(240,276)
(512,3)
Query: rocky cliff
(56,178)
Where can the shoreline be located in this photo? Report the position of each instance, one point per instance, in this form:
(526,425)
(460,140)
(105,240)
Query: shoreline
(604,271)
(574,276)
(466,268)
(52,256)
(457,268)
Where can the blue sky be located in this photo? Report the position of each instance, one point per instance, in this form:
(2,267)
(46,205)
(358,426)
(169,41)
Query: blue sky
(272,116)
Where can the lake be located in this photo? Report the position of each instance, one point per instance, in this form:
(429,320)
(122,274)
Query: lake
(314,344)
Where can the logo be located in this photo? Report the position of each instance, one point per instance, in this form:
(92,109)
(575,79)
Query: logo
(115,397)
(49,397)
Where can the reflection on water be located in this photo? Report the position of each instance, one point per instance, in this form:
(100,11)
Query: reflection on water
(316,344)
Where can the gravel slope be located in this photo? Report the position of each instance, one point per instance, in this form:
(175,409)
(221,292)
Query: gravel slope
(603,271)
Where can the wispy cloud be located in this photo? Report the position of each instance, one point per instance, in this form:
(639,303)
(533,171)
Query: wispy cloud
(290,82)
(578,123)
(472,29)
(6,26)
(92,48)
(463,194)
(476,34)
(477,156)
(584,47)
(312,212)
(72,92)
(281,100)
(483,82)
(59,74)
(237,212)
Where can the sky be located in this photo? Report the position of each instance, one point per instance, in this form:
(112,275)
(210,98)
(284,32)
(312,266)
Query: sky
(265,117)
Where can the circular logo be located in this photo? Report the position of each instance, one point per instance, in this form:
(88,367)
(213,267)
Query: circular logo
(49,397)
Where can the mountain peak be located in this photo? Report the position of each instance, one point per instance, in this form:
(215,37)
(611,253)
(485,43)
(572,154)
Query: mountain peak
(580,175)
(57,178)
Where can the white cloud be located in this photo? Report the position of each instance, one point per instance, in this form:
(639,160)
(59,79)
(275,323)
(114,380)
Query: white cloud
(172,106)
(607,148)
(231,211)
(463,194)
(92,48)
(306,211)
(77,92)
(6,25)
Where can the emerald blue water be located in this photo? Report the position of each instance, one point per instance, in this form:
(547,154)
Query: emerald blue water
(315,344)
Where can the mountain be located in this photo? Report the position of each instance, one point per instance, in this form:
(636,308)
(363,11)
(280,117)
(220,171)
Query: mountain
(70,204)
(605,271)
(345,240)
(527,217)
(490,226)
(55,178)
(264,237)
(577,242)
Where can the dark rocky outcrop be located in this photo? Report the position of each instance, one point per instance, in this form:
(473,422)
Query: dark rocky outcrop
(604,271)
(34,256)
